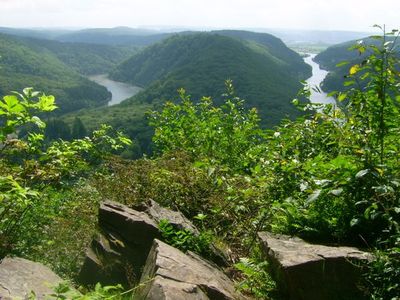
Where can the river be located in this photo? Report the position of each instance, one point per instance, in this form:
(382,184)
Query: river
(316,79)
(119,90)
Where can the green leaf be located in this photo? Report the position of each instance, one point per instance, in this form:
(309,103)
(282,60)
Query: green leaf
(362,173)
(47,103)
(355,222)
(12,104)
(341,64)
(348,83)
(38,122)
(342,96)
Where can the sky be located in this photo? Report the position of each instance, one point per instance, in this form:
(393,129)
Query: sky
(350,15)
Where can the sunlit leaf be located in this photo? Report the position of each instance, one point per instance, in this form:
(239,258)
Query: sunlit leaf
(354,69)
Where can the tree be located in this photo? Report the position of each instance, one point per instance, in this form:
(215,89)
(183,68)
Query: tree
(78,129)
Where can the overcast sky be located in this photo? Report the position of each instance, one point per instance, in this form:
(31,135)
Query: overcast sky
(352,15)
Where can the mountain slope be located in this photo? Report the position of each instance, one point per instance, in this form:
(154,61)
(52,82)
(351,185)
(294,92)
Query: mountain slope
(87,59)
(266,74)
(25,64)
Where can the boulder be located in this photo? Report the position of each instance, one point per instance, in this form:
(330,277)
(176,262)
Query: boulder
(119,252)
(156,212)
(19,277)
(172,274)
(308,271)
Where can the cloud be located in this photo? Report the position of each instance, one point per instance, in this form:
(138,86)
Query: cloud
(317,14)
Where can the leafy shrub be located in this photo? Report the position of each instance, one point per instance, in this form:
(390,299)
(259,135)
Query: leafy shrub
(28,166)
(221,135)
(256,279)
(185,239)
(383,275)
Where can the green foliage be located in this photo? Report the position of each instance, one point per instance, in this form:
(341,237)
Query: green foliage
(28,166)
(333,58)
(256,279)
(26,62)
(185,239)
(64,292)
(383,275)
(221,135)
(330,176)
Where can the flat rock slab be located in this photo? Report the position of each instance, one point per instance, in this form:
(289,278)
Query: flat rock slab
(170,274)
(308,271)
(19,277)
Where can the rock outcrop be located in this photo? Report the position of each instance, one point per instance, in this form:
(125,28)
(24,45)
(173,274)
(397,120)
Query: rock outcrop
(20,277)
(119,252)
(170,274)
(307,271)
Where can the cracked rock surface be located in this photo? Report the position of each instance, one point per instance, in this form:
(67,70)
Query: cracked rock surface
(18,277)
(309,271)
(172,274)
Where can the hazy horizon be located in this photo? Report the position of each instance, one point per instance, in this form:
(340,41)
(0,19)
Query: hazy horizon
(340,15)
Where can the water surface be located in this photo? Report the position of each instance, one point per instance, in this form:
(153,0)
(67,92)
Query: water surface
(119,90)
(318,75)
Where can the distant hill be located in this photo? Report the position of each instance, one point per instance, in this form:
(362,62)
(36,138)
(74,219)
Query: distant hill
(335,54)
(264,71)
(87,59)
(117,36)
(28,63)
(114,36)
(35,33)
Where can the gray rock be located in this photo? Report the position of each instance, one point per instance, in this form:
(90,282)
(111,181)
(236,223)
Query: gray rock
(119,252)
(171,274)
(19,277)
(308,271)
(158,213)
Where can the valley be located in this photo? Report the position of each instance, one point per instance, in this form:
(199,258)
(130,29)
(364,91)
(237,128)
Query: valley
(138,76)
(178,148)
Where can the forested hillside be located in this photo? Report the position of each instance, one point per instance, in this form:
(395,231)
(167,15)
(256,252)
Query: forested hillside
(87,59)
(25,64)
(267,74)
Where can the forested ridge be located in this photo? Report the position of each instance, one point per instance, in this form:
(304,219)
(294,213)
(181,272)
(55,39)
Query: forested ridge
(58,68)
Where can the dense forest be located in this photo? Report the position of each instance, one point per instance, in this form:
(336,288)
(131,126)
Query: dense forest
(58,68)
